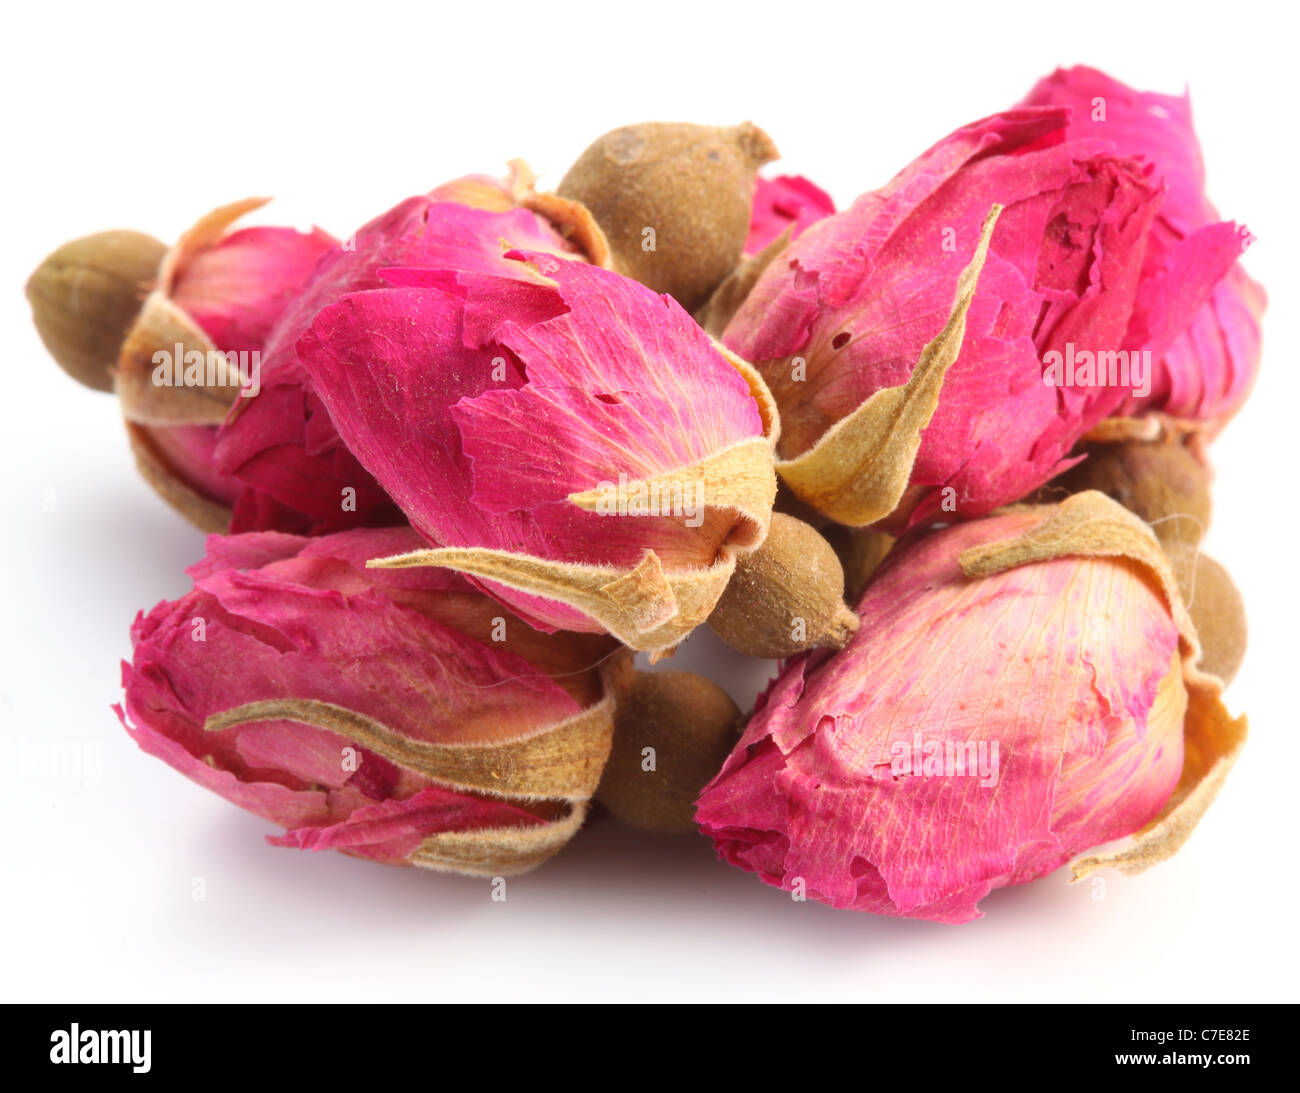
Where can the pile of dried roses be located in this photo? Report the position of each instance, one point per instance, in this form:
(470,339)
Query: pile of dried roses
(462,463)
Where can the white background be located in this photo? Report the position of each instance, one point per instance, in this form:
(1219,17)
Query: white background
(145,116)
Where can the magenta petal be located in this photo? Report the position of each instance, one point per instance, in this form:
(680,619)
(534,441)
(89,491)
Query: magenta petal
(1206,355)
(282,445)
(237,289)
(787,202)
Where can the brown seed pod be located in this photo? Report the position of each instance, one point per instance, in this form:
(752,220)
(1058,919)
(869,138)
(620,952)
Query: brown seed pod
(672,733)
(1160,481)
(1216,608)
(673,200)
(86,296)
(786,596)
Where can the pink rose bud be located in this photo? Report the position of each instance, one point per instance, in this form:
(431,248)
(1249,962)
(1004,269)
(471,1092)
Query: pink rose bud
(840,319)
(399,716)
(1022,688)
(1203,330)
(561,433)
(296,473)
(175,333)
(787,202)
(196,347)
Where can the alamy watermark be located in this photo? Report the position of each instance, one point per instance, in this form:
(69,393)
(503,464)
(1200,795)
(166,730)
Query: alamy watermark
(922,758)
(181,367)
(1127,368)
(639,498)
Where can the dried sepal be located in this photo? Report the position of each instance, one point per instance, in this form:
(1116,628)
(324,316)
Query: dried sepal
(738,479)
(205,233)
(163,328)
(571,219)
(645,607)
(858,470)
(499,851)
(201,511)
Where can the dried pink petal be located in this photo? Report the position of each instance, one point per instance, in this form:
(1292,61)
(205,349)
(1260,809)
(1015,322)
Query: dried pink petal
(1203,332)
(786,202)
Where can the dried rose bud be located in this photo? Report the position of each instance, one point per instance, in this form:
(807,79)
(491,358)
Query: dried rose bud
(564,435)
(176,333)
(672,731)
(1161,481)
(295,472)
(1216,608)
(784,204)
(86,296)
(673,200)
(1022,688)
(838,319)
(396,716)
(217,296)
(786,596)
(1205,341)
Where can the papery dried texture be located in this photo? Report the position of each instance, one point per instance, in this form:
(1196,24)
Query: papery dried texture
(1053,634)
(1215,605)
(784,204)
(218,292)
(297,475)
(845,312)
(1199,316)
(396,716)
(566,436)
(201,331)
